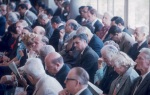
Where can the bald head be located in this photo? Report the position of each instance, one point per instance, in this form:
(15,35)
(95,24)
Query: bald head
(39,30)
(53,62)
(71,25)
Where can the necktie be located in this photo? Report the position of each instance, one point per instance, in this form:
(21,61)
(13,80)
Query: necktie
(139,81)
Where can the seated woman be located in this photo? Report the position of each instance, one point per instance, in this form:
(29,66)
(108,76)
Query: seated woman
(124,66)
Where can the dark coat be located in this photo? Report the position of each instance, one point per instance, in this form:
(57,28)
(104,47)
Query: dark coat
(61,75)
(109,76)
(89,61)
(86,92)
(144,86)
(54,40)
(134,51)
(96,44)
(98,26)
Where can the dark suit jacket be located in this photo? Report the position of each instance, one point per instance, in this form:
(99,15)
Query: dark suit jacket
(54,40)
(2,25)
(109,76)
(96,44)
(144,86)
(86,92)
(98,26)
(134,51)
(58,12)
(61,75)
(79,19)
(89,61)
(49,30)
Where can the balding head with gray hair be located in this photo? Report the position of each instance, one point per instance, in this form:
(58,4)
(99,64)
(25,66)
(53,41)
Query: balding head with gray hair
(34,68)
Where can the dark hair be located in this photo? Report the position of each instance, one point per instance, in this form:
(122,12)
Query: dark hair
(58,60)
(114,29)
(23,6)
(80,8)
(56,19)
(119,20)
(49,11)
(12,6)
(90,7)
(43,6)
(93,11)
(89,26)
(12,29)
(81,37)
(73,26)
(114,18)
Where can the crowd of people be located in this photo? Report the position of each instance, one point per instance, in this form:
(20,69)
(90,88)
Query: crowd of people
(57,55)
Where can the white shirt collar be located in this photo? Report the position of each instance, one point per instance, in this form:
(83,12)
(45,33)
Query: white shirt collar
(26,12)
(94,22)
(141,43)
(80,91)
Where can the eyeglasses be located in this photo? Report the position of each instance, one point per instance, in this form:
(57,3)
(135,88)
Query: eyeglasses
(67,79)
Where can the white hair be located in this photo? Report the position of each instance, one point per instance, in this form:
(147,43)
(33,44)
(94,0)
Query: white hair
(34,67)
(122,59)
(143,29)
(109,50)
(146,51)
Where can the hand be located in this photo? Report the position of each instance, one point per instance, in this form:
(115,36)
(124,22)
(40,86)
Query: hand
(62,33)
(100,61)
(7,79)
(64,92)
(21,53)
(22,81)
(6,59)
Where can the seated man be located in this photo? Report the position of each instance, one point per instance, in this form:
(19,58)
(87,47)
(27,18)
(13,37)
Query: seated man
(76,82)
(56,67)
(86,54)
(44,84)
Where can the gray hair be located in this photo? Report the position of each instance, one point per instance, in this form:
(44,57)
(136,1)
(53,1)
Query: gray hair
(144,29)
(34,67)
(46,49)
(81,75)
(40,29)
(109,50)
(122,59)
(43,16)
(83,29)
(146,51)
(23,22)
(111,42)
(45,39)
(12,17)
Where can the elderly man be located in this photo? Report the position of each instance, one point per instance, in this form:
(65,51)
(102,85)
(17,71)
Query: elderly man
(76,82)
(124,40)
(44,84)
(39,42)
(142,84)
(88,58)
(56,67)
(108,51)
(39,30)
(140,34)
(70,29)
